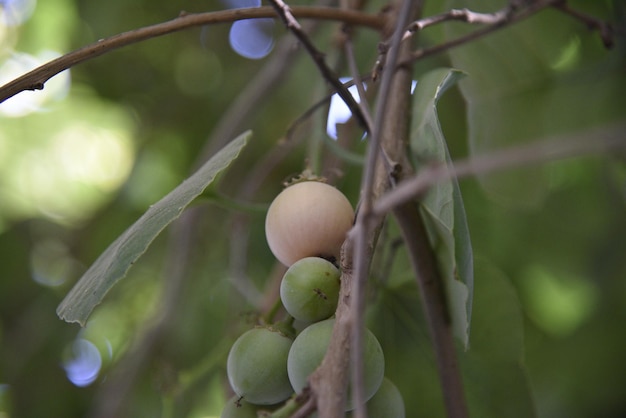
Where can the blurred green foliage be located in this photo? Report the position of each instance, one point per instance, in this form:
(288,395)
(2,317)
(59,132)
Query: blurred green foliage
(119,132)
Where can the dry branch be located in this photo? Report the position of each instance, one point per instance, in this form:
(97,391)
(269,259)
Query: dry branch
(36,79)
(329,75)
(509,15)
(601,140)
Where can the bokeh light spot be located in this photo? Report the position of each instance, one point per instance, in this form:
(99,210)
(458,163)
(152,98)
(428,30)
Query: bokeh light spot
(557,304)
(239,4)
(16,12)
(84,365)
(338,111)
(27,102)
(90,155)
(66,177)
(252,38)
(569,56)
(51,263)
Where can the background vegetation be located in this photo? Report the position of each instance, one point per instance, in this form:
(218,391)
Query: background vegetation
(81,160)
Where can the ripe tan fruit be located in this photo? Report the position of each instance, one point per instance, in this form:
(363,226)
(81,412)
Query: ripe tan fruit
(308,219)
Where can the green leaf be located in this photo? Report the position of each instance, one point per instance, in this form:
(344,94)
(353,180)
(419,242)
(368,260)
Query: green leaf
(496,381)
(398,322)
(443,205)
(116,260)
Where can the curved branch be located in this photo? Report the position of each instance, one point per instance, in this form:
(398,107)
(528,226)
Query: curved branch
(603,140)
(35,79)
(292,24)
(500,19)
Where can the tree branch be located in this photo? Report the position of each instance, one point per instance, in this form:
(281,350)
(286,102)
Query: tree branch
(329,75)
(502,18)
(401,201)
(435,304)
(601,140)
(275,68)
(35,79)
(423,259)
(388,138)
(329,381)
(358,82)
(463,15)
(505,17)
(605,29)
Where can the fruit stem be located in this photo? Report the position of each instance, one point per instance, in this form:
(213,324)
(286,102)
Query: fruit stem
(285,327)
(296,406)
(268,318)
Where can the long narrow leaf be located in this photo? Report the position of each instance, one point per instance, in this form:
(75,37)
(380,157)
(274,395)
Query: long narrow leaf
(116,260)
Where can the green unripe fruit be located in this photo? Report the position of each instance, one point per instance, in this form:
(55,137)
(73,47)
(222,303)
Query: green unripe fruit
(308,219)
(387,402)
(257,366)
(310,289)
(236,408)
(308,351)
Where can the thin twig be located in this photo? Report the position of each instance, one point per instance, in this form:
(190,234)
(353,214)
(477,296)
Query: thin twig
(435,304)
(257,90)
(506,18)
(35,79)
(401,201)
(427,273)
(602,140)
(285,12)
(307,408)
(604,28)
(463,15)
(358,81)
(112,397)
(329,381)
(231,122)
(315,107)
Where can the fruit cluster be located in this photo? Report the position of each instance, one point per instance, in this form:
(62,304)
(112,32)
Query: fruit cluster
(305,227)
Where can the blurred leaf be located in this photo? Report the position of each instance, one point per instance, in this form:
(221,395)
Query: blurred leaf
(396,318)
(443,204)
(116,260)
(548,75)
(495,379)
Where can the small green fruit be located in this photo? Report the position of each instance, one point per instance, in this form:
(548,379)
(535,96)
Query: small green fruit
(387,402)
(237,408)
(310,289)
(308,351)
(257,366)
